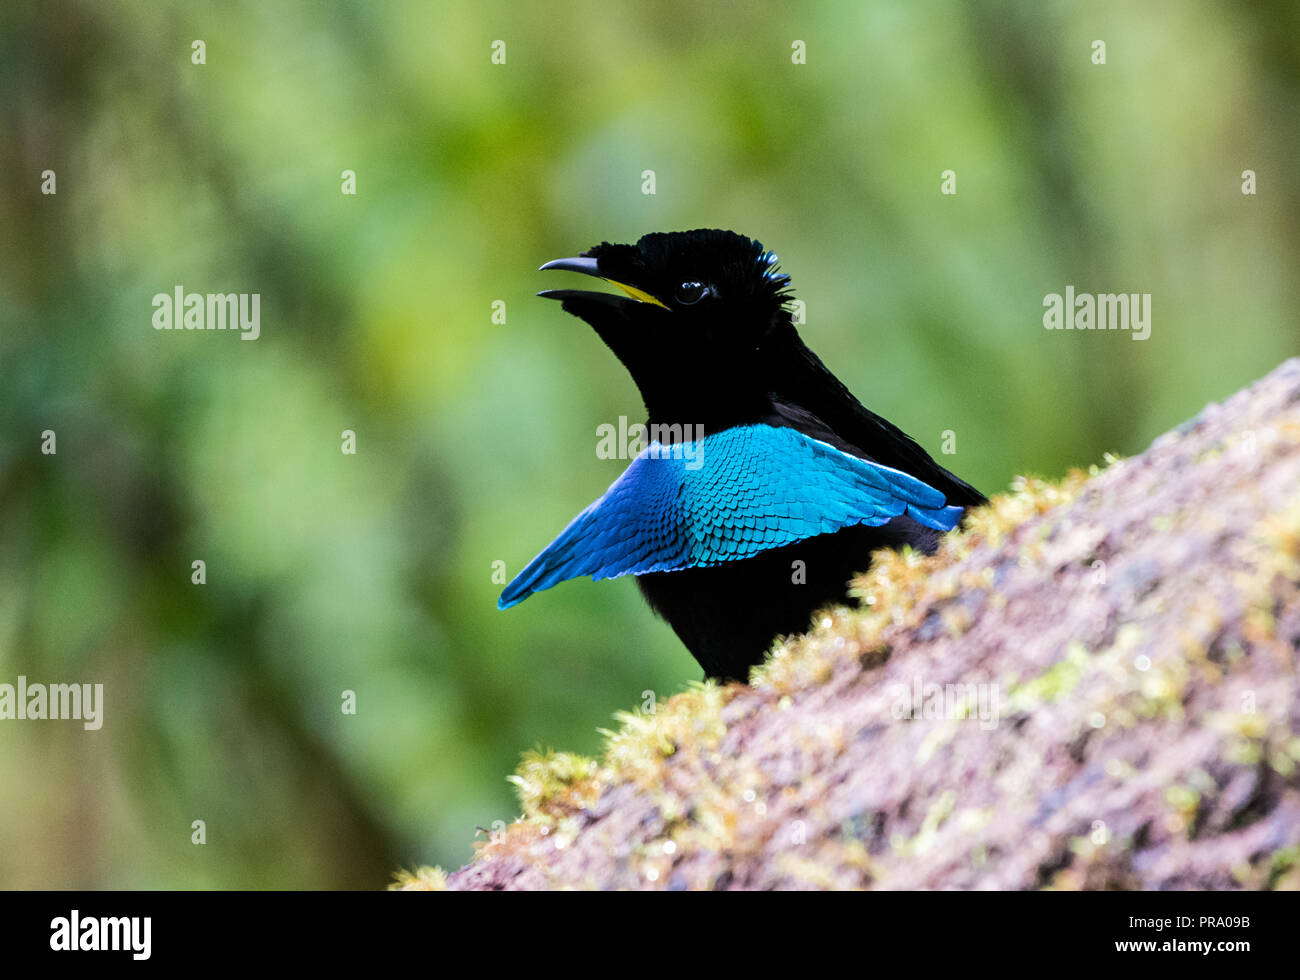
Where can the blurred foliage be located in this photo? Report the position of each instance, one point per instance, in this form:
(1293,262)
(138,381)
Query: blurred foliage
(373,572)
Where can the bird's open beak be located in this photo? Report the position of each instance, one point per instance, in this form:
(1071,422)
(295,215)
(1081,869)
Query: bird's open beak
(588,267)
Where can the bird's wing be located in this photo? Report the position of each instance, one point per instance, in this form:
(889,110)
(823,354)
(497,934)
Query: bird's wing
(805,381)
(634,528)
(763,486)
(731,495)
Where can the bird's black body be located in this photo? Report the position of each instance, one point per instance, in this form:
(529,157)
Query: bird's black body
(706,336)
(727,615)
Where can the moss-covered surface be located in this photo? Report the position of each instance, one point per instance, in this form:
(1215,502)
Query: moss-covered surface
(1137,629)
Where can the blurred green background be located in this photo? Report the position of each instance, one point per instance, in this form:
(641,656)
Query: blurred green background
(476,441)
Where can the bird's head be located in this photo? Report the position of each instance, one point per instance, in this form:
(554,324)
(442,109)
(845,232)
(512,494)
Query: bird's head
(696,319)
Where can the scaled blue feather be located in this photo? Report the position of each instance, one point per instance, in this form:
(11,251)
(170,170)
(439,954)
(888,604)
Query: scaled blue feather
(736,493)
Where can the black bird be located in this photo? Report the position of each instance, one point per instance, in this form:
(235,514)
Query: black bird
(766,485)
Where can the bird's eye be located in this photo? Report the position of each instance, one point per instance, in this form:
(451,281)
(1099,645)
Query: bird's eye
(691,292)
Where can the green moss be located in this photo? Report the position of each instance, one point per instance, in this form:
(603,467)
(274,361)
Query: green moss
(1052,684)
(1185,801)
(556,783)
(935,817)
(426,879)
(1281,865)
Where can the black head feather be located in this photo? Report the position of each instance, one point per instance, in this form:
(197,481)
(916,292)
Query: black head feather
(737,269)
(710,341)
